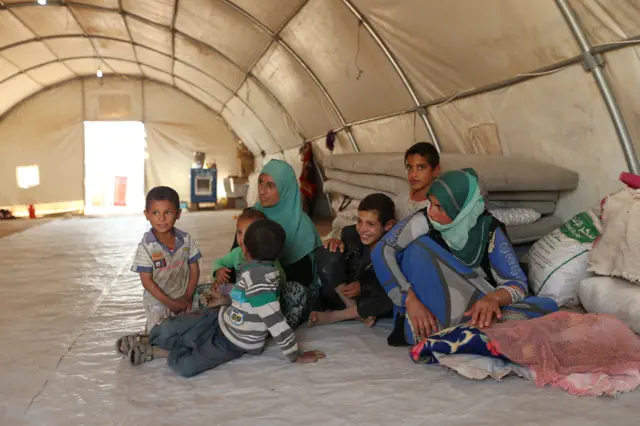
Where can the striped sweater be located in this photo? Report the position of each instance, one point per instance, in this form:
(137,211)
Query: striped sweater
(255,312)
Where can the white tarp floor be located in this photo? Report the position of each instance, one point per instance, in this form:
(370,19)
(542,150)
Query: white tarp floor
(66,294)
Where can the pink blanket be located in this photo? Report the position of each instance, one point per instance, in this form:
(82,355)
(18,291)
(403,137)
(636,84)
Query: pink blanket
(585,354)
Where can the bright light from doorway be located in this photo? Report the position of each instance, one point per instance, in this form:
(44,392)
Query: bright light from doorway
(27,176)
(114,167)
(42,2)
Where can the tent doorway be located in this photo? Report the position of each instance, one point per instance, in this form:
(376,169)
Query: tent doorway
(114,159)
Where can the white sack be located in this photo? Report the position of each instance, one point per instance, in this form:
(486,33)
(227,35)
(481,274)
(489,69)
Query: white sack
(559,260)
(615,296)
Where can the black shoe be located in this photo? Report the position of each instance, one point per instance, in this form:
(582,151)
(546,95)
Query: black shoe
(396,338)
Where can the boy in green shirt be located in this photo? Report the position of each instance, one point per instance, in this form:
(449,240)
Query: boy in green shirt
(224,268)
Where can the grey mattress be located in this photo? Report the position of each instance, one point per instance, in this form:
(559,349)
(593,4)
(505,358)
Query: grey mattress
(353,190)
(497,173)
(533,232)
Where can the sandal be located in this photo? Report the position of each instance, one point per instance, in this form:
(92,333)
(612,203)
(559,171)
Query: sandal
(128,342)
(140,353)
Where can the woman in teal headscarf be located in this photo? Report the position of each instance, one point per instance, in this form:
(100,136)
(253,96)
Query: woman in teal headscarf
(451,263)
(279,199)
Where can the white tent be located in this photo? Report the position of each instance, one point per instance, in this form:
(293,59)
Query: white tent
(552,80)
(506,77)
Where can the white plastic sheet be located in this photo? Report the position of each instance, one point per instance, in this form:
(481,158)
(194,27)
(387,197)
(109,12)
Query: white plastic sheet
(66,300)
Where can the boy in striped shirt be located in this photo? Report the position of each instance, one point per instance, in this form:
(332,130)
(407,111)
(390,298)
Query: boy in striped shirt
(198,342)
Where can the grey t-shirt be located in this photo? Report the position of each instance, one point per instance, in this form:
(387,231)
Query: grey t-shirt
(169,268)
(406,207)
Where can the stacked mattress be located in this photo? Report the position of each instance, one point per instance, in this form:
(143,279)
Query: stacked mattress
(508,182)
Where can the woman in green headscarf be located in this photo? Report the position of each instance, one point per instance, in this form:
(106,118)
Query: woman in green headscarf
(452,262)
(279,199)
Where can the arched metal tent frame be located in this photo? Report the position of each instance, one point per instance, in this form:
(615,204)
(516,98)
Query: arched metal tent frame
(174,32)
(134,77)
(590,58)
(594,64)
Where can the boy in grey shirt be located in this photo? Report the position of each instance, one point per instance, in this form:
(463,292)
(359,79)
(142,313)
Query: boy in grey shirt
(167,261)
(422,162)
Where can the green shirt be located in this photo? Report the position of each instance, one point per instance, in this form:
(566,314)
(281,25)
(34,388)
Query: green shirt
(235,258)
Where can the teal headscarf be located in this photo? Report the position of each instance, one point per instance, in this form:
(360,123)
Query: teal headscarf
(302,236)
(459,194)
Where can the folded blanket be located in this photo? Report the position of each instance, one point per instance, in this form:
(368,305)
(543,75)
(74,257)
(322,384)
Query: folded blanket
(563,343)
(461,339)
(567,350)
(479,367)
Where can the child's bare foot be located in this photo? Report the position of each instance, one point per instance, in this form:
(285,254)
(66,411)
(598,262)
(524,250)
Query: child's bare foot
(313,318)
(320,318)
(369,321)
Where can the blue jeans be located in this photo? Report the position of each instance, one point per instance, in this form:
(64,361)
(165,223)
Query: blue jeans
(195,342)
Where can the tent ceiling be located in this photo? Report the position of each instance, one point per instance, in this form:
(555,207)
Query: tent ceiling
(282,75)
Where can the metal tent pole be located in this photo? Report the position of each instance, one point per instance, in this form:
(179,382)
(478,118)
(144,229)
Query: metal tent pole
(422,112)
(275,36)
(595,63)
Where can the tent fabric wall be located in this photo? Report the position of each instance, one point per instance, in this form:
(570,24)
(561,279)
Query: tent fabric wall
(281,126)
(346,60)
(47,131)
(176,127)
(282,76)
(608,21)
(527,125)
(113,100)
(400,131)
(279,72)
(624,72)
(445,53)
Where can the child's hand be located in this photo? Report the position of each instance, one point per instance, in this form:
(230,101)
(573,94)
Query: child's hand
(352,290)
(215,299)
(310,356)
(423,321)
(334,244)
(222,277)
(483,310)
(179,305)
(187,299)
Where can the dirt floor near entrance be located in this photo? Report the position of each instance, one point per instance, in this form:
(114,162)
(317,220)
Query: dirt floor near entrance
(8,227)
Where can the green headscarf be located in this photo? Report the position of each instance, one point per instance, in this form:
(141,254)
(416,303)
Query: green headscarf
(302,236)
(459,194)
